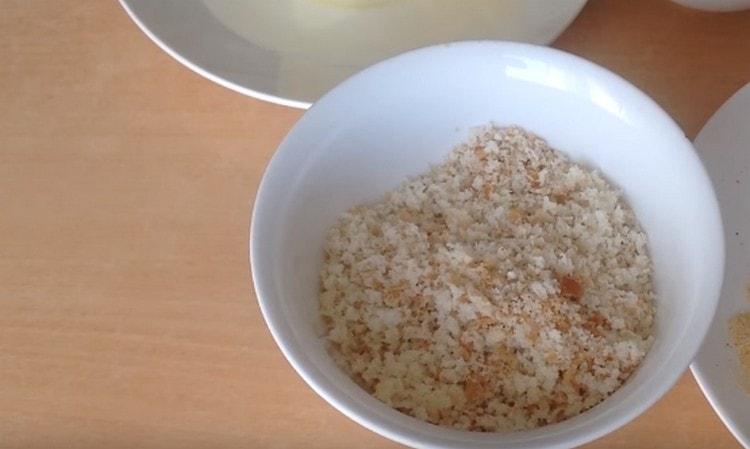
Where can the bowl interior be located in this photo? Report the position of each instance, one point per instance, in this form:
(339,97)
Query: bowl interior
(400,116)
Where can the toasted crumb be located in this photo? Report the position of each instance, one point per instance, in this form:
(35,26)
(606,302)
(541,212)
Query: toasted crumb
(507,288)
(570,287)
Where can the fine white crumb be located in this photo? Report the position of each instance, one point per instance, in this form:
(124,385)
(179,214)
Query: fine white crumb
(507,288)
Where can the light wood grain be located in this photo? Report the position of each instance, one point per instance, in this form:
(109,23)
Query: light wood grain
(127,315)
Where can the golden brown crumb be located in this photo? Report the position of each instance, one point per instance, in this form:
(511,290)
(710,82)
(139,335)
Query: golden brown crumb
(570,287)
(515,216)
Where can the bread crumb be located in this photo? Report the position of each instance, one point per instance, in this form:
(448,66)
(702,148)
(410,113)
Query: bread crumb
(739,337)
(505,289)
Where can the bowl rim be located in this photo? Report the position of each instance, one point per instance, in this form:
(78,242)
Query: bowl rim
(262,283)
(297,104)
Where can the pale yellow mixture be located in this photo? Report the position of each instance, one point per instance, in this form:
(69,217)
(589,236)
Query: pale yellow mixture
(328,40)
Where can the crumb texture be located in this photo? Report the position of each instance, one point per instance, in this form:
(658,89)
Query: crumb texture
(505,289)
(739,336)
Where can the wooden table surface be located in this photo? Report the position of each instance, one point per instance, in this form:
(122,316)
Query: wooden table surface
(127,313)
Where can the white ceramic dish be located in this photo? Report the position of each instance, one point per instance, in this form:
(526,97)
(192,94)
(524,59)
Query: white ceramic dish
(724,145)
(398,117)
(292,51)
(715,5)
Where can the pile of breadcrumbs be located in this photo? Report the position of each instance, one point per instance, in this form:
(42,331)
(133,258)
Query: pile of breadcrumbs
(505,289)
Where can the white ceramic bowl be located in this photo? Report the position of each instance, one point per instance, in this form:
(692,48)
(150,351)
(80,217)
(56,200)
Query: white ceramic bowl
(715,5)
(398,117)
(293,51)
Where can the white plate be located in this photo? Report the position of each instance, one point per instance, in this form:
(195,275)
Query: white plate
(292,51)
(724,145)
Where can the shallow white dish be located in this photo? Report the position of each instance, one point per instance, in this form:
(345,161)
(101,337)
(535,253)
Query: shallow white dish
(292,51)
(724,145)
(398,117)
(716,5)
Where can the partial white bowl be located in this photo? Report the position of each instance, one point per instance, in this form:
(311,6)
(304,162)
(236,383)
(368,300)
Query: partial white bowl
(715,5)
(397,118)
(292,51)
(724,145)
